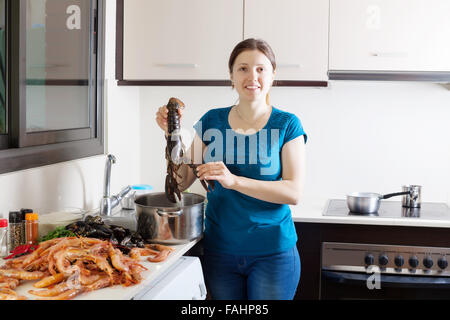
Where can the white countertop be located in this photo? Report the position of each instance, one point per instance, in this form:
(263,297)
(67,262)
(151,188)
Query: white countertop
(312,211)
(119,292)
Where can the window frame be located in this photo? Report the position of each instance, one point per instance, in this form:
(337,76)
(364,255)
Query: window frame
(25,150)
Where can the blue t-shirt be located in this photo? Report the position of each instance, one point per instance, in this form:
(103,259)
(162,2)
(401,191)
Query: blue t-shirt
(234,222)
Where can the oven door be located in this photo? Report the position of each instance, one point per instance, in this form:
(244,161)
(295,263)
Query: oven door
(337,285)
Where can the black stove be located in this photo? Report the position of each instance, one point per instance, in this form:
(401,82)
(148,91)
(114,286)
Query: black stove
(392,209)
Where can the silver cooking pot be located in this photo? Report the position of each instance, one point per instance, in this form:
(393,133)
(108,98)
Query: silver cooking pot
(368,202)
(161,221)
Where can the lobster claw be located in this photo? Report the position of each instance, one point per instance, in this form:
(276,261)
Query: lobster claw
(209,182)
(204,184)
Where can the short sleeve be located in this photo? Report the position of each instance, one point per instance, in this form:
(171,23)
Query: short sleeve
(202,125)
(294,129)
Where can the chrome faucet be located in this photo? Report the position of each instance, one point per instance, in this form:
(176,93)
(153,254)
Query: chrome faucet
(110,202)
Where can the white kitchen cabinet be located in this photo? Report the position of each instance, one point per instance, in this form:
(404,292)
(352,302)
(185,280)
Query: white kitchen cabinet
(297,31)
(179,40)
(390,35)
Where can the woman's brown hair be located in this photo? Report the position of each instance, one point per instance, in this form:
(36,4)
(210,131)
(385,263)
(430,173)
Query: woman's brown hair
(252,44)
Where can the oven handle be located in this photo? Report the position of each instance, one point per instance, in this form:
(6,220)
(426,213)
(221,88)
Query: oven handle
(388,280)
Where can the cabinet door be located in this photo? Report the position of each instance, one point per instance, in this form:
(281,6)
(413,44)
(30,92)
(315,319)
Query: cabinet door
(297,31)
(397,35)
(180,40)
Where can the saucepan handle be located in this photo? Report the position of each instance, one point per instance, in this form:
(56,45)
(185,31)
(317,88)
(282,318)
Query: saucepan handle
(169,213)
(389,195)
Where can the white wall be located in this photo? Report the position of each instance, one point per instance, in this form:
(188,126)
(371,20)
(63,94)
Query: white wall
(372,136)
(363,136)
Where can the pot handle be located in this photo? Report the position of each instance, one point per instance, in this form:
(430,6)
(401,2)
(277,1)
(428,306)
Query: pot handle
(169,213)
(386,196)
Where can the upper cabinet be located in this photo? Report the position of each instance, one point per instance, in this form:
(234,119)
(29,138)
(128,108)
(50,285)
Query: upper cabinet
(297,31)
(179,40)
(389,35)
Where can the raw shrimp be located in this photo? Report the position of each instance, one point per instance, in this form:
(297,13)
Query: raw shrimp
(22,275)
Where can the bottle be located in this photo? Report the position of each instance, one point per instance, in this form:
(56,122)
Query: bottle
(32,228)
(3,238)
(24,212)
(15,230)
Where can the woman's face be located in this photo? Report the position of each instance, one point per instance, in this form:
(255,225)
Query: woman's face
(252,75)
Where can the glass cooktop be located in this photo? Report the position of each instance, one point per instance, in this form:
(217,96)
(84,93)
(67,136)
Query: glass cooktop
(392,209)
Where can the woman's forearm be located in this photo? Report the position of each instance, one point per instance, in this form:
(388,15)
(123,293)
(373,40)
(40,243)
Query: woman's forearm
(281,192)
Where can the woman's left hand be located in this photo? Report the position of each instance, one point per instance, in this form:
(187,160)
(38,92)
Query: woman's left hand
(217,171)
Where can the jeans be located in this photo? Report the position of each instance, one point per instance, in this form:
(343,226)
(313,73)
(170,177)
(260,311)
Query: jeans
(252,277)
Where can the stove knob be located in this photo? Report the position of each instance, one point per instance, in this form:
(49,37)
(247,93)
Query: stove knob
(442,263)
(383,260)
(369,259)
(428,262)
(413,262)
(399,261)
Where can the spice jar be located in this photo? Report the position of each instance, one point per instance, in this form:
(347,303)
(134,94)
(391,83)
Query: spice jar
(3,238)
(32,228)
(24,212)
(15,230)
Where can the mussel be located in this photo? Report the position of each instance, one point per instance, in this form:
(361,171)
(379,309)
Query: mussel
(94,227)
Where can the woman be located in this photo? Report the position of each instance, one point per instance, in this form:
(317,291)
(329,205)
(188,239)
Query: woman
(255,154)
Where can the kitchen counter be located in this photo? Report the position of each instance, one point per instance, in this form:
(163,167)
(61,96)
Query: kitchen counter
(120,292)
(311,210)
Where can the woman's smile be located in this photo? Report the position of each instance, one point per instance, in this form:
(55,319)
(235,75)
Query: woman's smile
(253,88)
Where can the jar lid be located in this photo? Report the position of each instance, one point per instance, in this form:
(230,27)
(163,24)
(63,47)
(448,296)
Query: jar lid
(31,216)
(3,223)
(15,217)
(24,212)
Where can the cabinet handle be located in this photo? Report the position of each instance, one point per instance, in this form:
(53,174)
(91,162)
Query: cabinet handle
(54,65)
(177,65)
(389,54)
(288,65)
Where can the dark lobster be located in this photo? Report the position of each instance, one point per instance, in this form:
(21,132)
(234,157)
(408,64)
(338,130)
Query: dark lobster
(175,153)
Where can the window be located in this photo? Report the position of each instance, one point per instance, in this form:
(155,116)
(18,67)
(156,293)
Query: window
(3,115)
(51,101)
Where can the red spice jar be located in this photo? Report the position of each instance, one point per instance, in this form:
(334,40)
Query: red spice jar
(32,228)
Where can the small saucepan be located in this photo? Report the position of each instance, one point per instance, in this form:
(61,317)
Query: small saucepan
(368,202)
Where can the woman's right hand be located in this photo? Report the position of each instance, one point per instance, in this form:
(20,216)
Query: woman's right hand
(161,117)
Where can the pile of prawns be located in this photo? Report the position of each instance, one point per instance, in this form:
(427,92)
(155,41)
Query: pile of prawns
(67,267)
